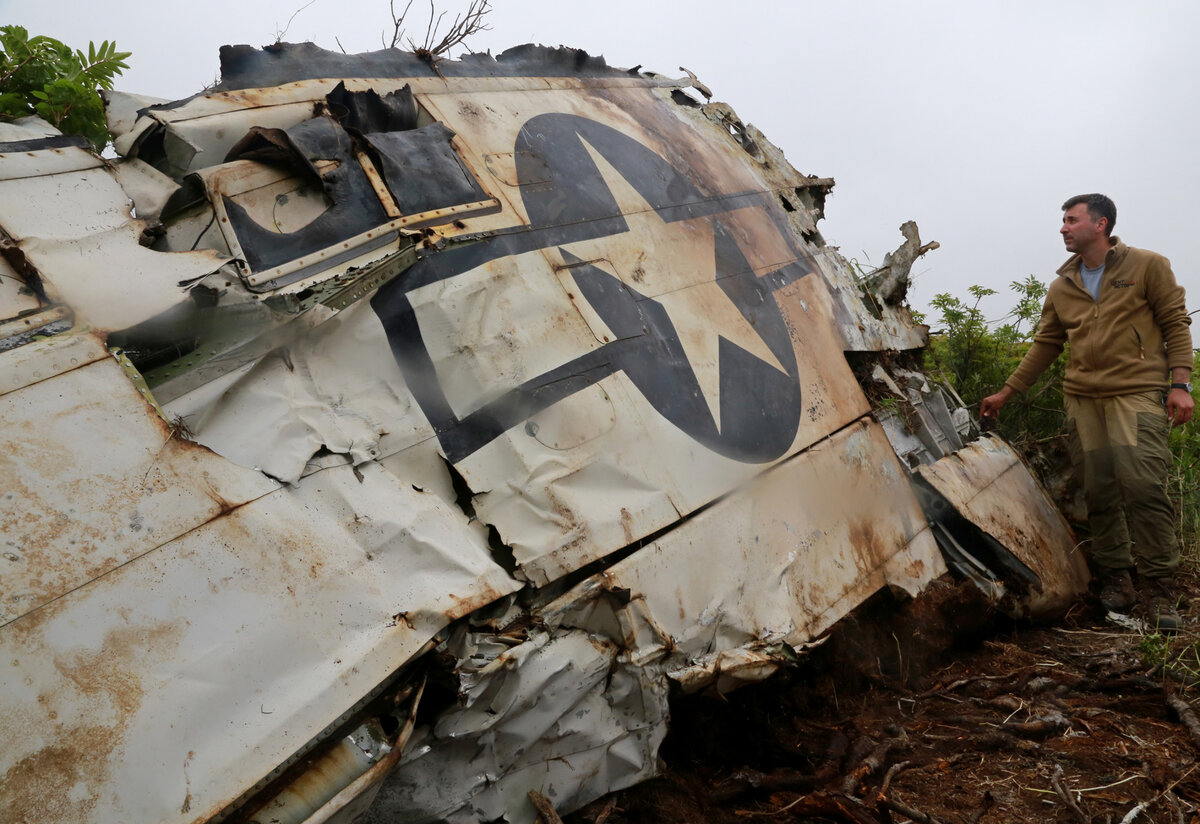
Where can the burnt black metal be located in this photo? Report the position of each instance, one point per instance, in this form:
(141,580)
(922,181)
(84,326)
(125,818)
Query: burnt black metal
(368,111)
(245,67)
(422,170)
(56,142)
(354,209)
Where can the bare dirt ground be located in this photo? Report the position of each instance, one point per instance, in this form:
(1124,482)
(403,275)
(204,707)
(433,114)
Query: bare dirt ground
(940,711)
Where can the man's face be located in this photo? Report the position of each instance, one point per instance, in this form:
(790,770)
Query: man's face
(1079,231)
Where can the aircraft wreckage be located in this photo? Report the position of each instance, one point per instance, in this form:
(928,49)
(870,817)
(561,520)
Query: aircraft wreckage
(396,436)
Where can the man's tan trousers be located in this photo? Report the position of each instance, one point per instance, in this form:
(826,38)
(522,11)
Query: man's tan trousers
(1119,451)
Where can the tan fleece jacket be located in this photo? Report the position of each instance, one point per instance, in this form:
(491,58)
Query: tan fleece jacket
(1126,341)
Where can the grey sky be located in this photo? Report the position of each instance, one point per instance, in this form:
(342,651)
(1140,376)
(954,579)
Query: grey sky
(976,120)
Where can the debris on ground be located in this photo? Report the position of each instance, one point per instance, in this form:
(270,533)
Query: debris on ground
(982,723)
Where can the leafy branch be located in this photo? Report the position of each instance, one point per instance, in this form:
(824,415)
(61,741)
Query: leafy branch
(44,77)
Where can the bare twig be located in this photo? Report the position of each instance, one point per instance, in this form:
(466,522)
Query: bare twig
(435,45)
(825,805)
(279,35)
(887,778)
(871,764)
(1186,716)
(609,806)
(397,23)
(1056,781)
(783,809)
(545,808)
(1138,808)
(1133,777)
(905,810)
(462,28)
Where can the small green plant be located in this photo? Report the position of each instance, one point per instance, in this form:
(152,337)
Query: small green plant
(45,77)
(1154,649)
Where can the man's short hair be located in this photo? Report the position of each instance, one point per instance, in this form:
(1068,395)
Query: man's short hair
(1098,206)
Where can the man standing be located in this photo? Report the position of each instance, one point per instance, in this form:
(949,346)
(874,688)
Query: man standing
(1125,319)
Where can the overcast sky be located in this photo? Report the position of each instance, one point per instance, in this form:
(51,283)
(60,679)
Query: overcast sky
(976,120)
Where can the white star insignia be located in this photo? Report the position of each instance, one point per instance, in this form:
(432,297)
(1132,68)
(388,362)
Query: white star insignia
(674,264)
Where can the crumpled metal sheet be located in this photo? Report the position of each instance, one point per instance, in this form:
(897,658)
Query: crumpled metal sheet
(777,562)
(76,230)
(505,328)
(277,412)
(989,485)
(617,385)
(926,421)
(558,713)
(249,635)
(580,710)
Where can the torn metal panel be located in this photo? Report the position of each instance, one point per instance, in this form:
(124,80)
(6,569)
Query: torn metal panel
(777,562)
(148,188)
(27,128)
(867,325)
(421,170)
(93,484)
(273,620)
(770,567)
(187,135)
(924,421)
(352,206)
(122,111)
(71,220)
(245,67)
(276,412)
(988,484)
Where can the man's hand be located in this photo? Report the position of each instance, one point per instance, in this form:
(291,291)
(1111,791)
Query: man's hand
(1179,407)
(989,407)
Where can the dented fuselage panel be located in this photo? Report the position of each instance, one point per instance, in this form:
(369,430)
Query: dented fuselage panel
(521,372)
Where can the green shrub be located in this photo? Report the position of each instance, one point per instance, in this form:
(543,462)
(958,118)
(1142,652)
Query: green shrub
(976,356)
(44,77)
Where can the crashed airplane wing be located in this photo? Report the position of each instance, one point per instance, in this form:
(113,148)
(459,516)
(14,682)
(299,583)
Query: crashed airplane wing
(391,440)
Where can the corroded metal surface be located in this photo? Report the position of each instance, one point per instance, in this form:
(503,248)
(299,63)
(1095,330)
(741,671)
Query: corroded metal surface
(527,373)
(197,667)
(990,486)
(92,485)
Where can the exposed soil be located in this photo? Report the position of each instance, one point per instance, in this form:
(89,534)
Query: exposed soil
(940,711)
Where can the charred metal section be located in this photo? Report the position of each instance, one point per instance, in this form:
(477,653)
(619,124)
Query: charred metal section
(246,67)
